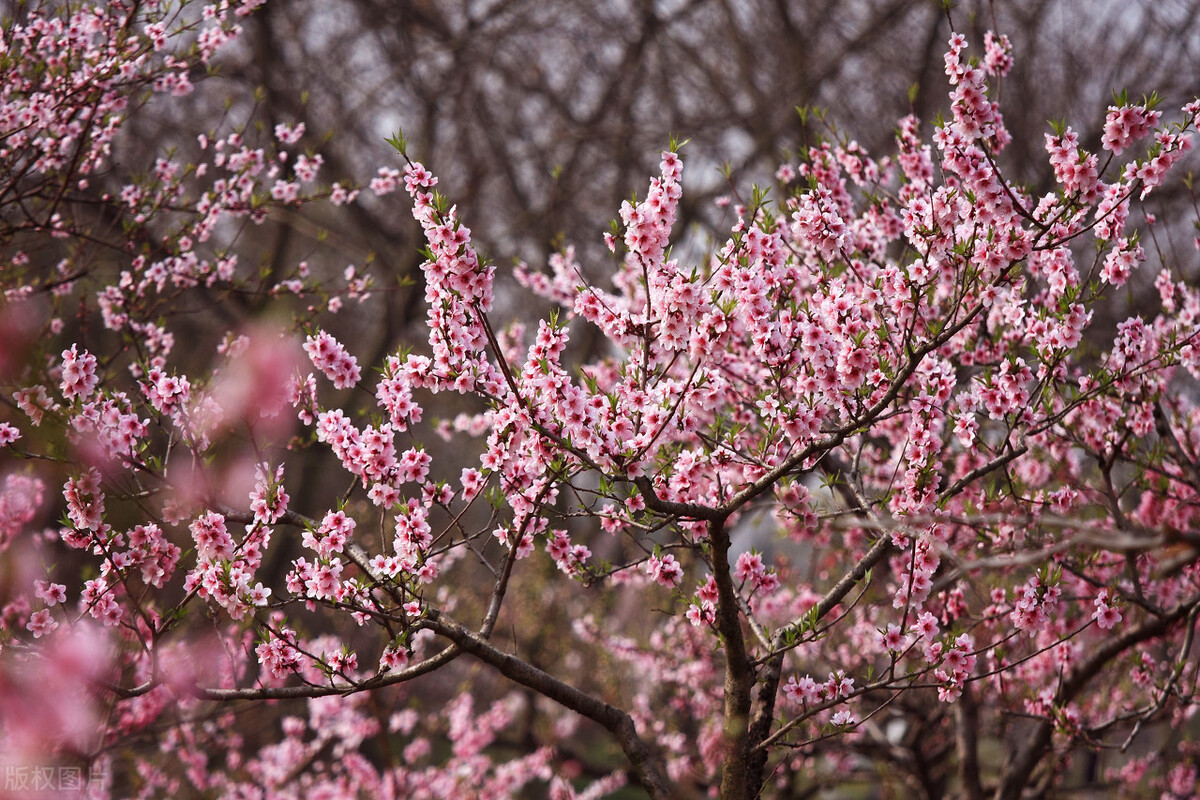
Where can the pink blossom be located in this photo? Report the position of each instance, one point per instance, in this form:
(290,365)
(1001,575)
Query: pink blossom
(1124,125)
(324,581)
(211,537)
(998,59)
(329,356)
(79,377)
(892,640)
(385,182)
(41,623)
(844,717)
(1106,614)
(268,499)
(289,134)
(50,593)
(85,500)
(416,177)
(8,434)
(664,570)
(801,690)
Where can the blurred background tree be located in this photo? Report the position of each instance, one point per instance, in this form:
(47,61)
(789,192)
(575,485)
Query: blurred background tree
(542,117)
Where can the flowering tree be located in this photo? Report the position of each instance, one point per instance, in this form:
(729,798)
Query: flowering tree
(976,509)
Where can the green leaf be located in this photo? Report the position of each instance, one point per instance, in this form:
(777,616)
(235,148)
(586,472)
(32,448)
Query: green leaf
(398,141)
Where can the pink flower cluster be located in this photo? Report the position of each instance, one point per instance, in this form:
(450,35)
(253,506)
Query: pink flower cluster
(1106,614)
(21,498)
(569,557)
(648,223)
(85,500)
(704,610)
(268,498)
(329,356)
(1076,171)
(279,655)
(1033,605)
(225,568)
(957,662)
(998,59)
(79,378)
(371,455)
(1125,125)
(975,117)
(750,569)
(330,538)
(664,570)
(807,691)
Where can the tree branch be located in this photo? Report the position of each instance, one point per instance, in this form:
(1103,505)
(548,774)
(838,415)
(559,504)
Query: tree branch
(739,677)
(613,719)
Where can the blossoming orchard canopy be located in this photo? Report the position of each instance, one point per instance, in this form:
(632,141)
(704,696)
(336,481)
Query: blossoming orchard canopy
(897,481)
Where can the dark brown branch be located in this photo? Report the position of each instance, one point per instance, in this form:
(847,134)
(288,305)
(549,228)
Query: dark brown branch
(966,741)
(613,719)
(762,720)
(739,678)
(443,657)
